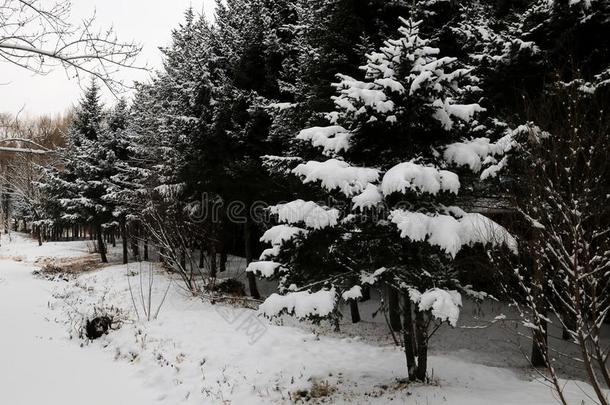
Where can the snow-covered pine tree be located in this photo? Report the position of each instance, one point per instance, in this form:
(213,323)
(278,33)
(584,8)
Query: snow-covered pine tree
(87,165)
(167,118)
(389,216)
(248,54)
(573,35)
(120,186)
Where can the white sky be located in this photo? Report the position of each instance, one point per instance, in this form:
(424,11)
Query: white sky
(148,22)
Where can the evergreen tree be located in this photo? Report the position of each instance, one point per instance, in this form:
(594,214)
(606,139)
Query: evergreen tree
(81,185)
(385,170)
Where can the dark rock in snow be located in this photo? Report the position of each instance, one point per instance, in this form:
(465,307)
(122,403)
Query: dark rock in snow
(97,327)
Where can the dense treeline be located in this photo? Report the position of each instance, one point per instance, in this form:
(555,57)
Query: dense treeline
(370,143)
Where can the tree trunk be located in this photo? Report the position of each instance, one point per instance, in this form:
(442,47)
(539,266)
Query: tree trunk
(366,293)
(213,269)
(408,336)
(353,308)
(124,241)
(202,255)
(539,340)
(146,249)
(161,254)
(223,257)
(135,248)
(39,235)
(394,309)
(421,329)
(539,346)
(248,248)
(100,243)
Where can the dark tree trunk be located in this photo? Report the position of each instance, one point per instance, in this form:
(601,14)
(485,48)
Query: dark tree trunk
(124,241)
(223,257)
(408,337)
(100,242)
(135,248)
(202,255)
(540,339)
(39,235)
(366,293)
(146,249)
(394,309)
(539,346)
(421,329)
(213,269)
(353,308)
(248,248)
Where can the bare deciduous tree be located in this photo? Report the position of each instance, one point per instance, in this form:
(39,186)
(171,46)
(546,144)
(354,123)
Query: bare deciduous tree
(564,177)
(38,35)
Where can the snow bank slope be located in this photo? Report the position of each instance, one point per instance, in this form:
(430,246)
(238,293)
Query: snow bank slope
(199,353)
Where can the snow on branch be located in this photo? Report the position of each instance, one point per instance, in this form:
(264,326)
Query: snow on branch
(477,153)
(264,268)
(419,178)
(444,305)
(337,174)
(303,304)
(355,95)
(370,197)
(354,293)
(451,234)
(276,236)
(333,138)
(308,212)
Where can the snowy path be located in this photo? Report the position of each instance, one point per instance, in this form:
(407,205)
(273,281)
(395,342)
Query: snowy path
(38,365)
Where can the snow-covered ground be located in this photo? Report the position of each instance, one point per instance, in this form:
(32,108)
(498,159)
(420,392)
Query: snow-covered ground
(202,353)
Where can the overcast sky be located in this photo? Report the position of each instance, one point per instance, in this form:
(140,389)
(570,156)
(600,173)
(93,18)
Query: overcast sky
(148,22)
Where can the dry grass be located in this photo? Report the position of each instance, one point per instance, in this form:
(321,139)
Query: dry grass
(321,389)
(67,267)
(12,258)
(320,392)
